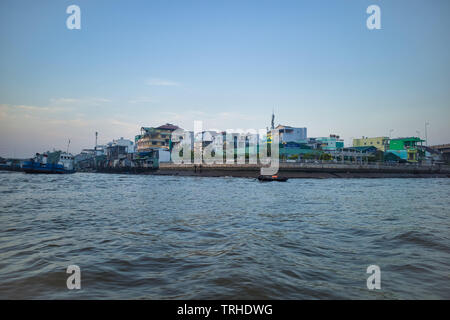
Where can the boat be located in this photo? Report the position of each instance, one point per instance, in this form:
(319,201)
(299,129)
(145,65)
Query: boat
(50,163)
(272,178)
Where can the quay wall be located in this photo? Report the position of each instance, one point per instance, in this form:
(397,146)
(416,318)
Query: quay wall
(308,170)
(289,170)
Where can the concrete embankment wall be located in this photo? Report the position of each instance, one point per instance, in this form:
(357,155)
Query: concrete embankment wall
(308,170)
(126,170)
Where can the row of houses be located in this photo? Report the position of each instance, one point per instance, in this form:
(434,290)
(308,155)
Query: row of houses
(405,149)
(116,153)
(400,150)
(154,145)
(294,145)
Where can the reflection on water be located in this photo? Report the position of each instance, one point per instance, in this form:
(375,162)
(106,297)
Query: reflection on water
(159,237)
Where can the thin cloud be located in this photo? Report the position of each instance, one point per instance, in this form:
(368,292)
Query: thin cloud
(90,101)
(8,109)
(141,100)
(41,109)
(162,82)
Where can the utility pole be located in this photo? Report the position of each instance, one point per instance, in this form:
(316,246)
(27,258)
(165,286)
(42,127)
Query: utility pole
(426,135)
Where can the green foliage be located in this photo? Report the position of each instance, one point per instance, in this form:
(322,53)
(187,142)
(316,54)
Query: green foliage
(326,156)
(309,156)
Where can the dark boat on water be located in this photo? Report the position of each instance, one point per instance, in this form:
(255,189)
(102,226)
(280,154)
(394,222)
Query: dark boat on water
(272,178)
(62,164)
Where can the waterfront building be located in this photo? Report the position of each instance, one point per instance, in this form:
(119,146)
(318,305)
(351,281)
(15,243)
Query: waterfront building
(367,149)
(313,143)
(445,150)
(406,148)
(353,154)
(99,150)
(291,134)
(136,139)
(204,139)
(163,155)
(153,145)
(288,134)
(118,148)
(381,143)
(245,146)
(118,153)
(115,152)
(127,144)
(392,158)
(147,159)
(431,155)
(183,141)
(159,137)
(331,143)
(85,159)
(298,151)
(91,158)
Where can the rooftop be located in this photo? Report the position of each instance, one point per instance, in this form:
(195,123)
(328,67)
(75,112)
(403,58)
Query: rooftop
(408,139)
(168,126)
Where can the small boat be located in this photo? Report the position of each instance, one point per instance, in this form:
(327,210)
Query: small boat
(272,178)
(62,163)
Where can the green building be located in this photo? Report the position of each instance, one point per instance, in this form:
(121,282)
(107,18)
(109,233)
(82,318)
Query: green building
(406,148)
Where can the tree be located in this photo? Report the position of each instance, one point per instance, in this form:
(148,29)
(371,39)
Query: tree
(309,156)
(325,156)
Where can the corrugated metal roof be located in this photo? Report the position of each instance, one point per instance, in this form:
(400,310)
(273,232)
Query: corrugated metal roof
(168,126)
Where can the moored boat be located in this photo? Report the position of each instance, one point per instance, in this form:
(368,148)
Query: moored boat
(272,178)
(61,163)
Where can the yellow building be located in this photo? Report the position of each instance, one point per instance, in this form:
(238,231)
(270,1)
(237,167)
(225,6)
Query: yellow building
(381,143)
(155,138)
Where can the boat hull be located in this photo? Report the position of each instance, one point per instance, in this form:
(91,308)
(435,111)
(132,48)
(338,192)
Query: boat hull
(47,171)
(272,178)
(35,167)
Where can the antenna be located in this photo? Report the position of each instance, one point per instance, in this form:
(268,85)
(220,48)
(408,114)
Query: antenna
(426,134)
(273,119)
(96,135)
(68,144)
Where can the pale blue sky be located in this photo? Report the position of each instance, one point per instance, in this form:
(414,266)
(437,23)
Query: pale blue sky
(226,62)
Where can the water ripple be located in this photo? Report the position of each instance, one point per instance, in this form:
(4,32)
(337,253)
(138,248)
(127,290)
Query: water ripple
(156,237)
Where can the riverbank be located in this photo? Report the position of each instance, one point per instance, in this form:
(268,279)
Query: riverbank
(288,170)
(309,170)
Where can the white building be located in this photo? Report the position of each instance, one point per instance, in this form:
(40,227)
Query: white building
(128,144)
(163,155)
(291,134)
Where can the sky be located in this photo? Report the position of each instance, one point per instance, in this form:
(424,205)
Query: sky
(228,63)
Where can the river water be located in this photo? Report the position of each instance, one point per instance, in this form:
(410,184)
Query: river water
(164,237)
